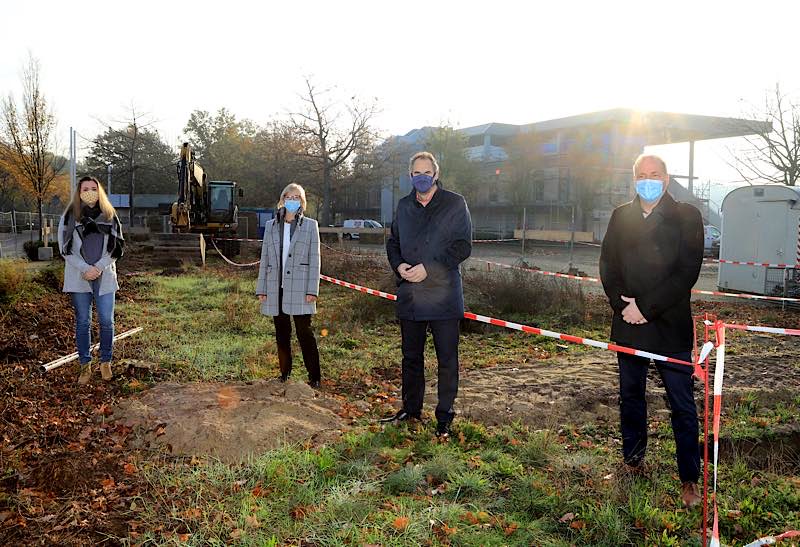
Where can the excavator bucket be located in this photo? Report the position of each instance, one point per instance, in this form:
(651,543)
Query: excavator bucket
(190,247)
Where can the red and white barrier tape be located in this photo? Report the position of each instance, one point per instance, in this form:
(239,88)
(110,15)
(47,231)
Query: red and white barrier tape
(540,272)
(745,263)
(770,330)
(772,540)
(747,296)
(541,332)
(373,292)
(588,279)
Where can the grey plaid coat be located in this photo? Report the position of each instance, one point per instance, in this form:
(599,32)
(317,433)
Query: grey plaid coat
(300,273)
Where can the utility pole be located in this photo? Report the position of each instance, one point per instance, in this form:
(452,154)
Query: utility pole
(108,183)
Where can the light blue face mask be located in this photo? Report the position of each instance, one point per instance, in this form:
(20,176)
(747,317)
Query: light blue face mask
(649,189)
(292,205)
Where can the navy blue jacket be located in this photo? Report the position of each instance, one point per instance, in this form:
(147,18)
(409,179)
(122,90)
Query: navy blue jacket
(655,260)
(439,236)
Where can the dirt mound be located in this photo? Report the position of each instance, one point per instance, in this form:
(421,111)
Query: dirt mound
(229,421)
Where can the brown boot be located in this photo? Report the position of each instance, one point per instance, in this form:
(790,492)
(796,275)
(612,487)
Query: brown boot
(105,371)
(86,374)
(690,494)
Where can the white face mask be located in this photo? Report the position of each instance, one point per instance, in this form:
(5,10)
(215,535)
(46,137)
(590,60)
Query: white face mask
(90,197)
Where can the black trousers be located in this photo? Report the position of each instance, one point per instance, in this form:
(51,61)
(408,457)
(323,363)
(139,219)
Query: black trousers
(308,344)
(445,340)
(633,411)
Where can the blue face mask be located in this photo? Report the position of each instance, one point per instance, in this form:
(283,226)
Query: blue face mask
(649,189)
(292,205)
(422,183)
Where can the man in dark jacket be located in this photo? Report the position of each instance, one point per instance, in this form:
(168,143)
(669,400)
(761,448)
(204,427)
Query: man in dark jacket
(431,236)
(650,260)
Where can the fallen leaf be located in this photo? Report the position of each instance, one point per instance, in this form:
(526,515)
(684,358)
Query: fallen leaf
(130,468)
(252,522)
(400,523)
(567,517)
(577,524)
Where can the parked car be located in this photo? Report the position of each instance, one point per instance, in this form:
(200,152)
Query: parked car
(359,223)
(711,240)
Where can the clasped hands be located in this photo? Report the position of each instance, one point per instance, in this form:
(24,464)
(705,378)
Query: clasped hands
(92,273)
(414,274)
(631,313)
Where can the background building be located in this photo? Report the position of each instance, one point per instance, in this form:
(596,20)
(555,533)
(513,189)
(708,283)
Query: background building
(579,165)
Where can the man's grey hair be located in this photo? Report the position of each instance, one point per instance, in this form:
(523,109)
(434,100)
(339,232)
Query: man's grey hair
(643,157)
(423,156)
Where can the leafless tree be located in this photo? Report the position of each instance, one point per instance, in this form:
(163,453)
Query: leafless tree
(773,153)
(28,144)
(331,138)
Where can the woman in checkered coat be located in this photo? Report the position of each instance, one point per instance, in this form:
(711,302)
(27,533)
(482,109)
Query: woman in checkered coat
(288,280)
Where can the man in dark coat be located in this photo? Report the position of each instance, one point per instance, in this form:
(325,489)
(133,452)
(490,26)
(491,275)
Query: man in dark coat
(650,260)
(431,236)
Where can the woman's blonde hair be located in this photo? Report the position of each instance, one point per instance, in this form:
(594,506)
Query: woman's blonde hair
(300,190)
(75,203)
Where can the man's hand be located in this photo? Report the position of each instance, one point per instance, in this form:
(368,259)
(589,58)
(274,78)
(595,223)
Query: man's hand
(417,274)
(631,313)
(262,298)
(92,273)
(402,269)
(310,298)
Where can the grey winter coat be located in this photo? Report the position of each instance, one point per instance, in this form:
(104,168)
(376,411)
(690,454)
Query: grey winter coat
(75,265)
(300,273)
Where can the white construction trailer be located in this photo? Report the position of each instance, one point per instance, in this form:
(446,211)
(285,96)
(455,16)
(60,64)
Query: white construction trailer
(761,224)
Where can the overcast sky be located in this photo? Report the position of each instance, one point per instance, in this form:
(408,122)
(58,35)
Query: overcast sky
(427,62)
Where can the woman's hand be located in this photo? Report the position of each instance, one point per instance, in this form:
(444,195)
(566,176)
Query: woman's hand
(91,274)
(262,298)
(310,298)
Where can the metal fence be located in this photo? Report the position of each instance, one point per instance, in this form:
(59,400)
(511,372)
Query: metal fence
(17,227)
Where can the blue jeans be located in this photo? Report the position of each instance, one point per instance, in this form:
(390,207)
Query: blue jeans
(82,302)
(678,383)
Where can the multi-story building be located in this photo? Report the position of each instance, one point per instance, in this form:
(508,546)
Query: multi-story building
(549,171)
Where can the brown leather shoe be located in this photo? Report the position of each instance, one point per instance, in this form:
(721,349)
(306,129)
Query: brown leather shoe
(690,495)
(86,374)
(105,371)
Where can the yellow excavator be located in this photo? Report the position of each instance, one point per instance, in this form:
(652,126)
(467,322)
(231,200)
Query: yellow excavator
(203,209)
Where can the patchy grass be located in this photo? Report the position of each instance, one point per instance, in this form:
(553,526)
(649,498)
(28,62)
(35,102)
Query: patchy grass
(505,485)
(399,486)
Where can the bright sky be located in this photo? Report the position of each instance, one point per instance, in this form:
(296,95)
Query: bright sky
(427,62)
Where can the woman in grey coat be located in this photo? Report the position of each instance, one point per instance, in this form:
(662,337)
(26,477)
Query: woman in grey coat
(90,240)
(288,280)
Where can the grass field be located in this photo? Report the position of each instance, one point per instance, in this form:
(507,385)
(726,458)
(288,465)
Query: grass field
(507,485)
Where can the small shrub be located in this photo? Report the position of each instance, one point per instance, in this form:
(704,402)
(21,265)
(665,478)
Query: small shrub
(51,277)
(12,278)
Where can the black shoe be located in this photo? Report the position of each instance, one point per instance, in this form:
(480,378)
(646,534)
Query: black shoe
(401,416)
(283,378)
(314,383)
(443,429)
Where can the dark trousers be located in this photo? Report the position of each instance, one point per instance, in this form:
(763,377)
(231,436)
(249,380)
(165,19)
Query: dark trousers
(633,411)
(308,344)
(445,340)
